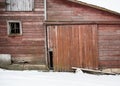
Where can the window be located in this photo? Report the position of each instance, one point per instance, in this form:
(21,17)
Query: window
(20,5)
(14,28)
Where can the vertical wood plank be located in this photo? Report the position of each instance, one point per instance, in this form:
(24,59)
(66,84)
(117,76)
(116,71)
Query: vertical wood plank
(95,45)
(55,50)
(64,43)
(80,47)
(59,48)
(61,28)
(76,44)
(68,40)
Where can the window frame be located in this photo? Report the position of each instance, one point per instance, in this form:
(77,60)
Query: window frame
(9,29)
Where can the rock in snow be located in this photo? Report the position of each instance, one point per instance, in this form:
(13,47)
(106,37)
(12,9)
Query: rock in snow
(37,78)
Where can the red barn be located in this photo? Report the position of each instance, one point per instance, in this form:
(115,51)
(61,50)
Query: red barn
(59,34)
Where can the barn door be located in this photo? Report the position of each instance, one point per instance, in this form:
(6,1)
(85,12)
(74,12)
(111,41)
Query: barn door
(73,46)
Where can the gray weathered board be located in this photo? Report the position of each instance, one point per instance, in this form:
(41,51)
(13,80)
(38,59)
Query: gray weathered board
(20,5)
(93,71)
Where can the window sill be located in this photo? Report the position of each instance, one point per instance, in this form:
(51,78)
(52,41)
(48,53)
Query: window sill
(11,35)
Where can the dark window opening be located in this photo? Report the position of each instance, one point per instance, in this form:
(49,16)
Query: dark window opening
(51,60)
(14,28)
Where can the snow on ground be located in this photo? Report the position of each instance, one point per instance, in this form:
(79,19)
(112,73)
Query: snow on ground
(37,78)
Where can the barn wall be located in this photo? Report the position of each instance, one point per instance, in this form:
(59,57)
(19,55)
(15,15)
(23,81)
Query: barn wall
(31,45)
(109,46)
(108,35)
(2,1)
(64,10)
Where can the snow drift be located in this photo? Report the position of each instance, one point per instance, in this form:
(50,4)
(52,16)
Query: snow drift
(37,78)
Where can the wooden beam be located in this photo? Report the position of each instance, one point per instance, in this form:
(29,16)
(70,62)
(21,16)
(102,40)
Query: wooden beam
(80,22)
(93,71)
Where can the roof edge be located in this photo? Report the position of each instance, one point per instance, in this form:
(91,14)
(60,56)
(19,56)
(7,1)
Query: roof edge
(95,6)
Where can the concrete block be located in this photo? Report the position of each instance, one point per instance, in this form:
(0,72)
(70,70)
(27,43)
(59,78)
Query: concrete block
(5,59)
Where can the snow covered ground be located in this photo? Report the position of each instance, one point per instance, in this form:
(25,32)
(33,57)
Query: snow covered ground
(36,78)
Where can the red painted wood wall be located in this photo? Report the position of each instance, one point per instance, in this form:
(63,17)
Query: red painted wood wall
(64,10)
(109,46)
(30,46)
(108,34)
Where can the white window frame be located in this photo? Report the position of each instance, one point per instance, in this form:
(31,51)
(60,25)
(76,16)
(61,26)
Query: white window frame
(9,29)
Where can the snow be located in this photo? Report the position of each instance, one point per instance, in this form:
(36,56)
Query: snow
(37,78)
(113,5)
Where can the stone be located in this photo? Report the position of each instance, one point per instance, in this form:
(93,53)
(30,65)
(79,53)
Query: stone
(5,59)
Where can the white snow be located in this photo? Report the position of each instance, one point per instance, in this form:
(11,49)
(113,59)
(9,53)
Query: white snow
(37,78)
(113,5)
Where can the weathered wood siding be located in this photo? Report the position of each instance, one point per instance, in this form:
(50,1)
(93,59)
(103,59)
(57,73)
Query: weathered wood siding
(109,46)
(64,10)
(2,4)
(108,35)
(73,46)
(30,46)
(2,1)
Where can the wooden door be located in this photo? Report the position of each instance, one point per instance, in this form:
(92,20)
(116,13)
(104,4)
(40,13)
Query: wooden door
(73,46)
